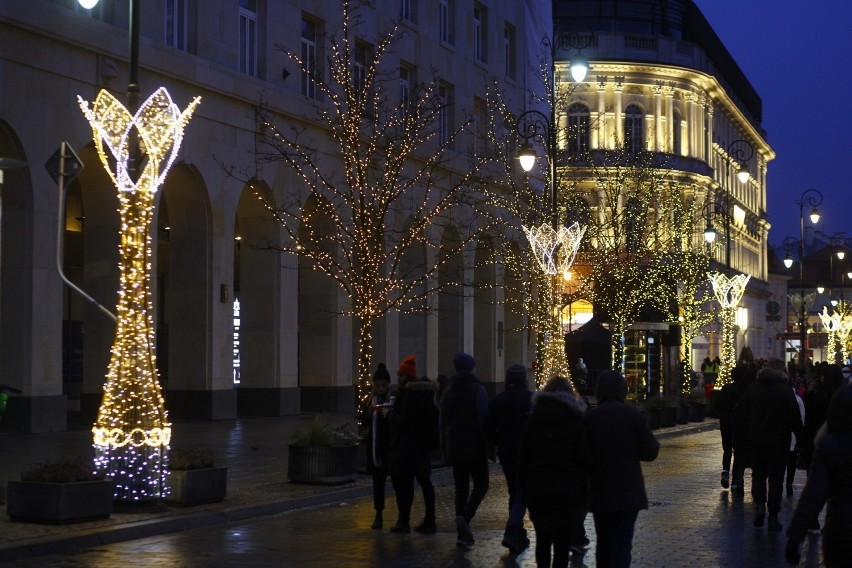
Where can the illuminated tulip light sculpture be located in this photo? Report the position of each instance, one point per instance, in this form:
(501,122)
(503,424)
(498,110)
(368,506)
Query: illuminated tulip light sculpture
(555,251)
(728,292)
(132,432)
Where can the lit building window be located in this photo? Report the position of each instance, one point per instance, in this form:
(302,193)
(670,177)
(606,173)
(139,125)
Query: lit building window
(634,129)
(578,128)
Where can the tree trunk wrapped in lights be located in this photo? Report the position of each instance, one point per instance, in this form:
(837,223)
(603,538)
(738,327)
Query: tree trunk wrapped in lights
(132,432)
(728,292)
(832,324)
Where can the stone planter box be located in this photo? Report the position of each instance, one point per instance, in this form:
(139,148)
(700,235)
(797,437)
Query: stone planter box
(197,486)
(655,416)
(683,413)
(322,465)
(668,417)
(59,503)
(697,412)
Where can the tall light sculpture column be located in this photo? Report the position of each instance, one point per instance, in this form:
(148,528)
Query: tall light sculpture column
(554,246)
(728,288)
(132,432)
(811,198)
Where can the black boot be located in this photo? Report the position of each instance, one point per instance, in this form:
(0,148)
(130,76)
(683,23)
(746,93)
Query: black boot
(377,522)
(427,526)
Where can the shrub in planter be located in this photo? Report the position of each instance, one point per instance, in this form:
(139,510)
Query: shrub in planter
(194,478)
(58,492)
(322,454)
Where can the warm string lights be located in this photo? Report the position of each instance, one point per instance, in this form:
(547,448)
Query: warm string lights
(728,291)
(831,324)
(389,206)
(132,432)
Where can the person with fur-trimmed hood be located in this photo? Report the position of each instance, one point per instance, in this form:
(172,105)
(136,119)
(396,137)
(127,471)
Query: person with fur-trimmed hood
(413,421)
(619,439)
(773,415)
(553,470)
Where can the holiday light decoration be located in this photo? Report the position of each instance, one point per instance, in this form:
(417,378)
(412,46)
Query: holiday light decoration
(385,188)
(554,249)
(728,292)
(831,323)
(132,432)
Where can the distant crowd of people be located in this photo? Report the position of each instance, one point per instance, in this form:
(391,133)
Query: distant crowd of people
(775,418)
(559,458)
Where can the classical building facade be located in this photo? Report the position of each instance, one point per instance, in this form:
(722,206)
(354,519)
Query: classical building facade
(661,81)
(240,330)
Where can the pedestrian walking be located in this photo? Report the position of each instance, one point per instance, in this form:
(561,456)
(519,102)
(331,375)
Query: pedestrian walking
(554,471)
(724,403)
(817,400)
(829,482)
(770,407)
(504,424)
(463,408)
(793,456)
(739,432)
(378,440)
(413,428)
(619,439)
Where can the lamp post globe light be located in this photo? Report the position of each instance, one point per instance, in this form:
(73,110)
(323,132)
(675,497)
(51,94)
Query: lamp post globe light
(810,198)
(554,246)
(132,432)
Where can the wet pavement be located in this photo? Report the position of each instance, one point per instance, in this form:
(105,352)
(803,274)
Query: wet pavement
(267,521)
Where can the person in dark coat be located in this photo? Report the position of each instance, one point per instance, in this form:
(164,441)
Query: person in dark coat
(553,470)
(829,481)
(411,428)
(773,416)
(739,432)
(724,406)
(463,408)
(619,439)
(504,423)
(817,400)
(378,440)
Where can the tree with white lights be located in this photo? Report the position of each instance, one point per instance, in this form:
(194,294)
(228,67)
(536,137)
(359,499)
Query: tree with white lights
(387,171)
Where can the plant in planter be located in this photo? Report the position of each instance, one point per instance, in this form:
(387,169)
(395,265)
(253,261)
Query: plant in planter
(697,405)
(322,454)
(654,408)
(194,477)
(62,491)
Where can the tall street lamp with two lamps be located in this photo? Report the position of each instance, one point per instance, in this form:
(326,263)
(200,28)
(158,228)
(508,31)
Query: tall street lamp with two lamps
(554,246)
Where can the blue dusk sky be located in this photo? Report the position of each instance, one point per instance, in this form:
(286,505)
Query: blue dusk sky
(798,56)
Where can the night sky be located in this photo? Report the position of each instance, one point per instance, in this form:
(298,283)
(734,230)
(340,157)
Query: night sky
(798,56)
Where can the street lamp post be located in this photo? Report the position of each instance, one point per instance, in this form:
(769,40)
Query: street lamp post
(554,245)
(811,198)
(728,288)
(132,432)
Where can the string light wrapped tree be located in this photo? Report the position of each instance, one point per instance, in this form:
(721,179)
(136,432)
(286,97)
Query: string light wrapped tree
(728,291)
(132,432)
(393,174)
(631,234)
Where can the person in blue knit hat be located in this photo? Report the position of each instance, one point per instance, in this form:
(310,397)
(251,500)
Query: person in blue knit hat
(462,425)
